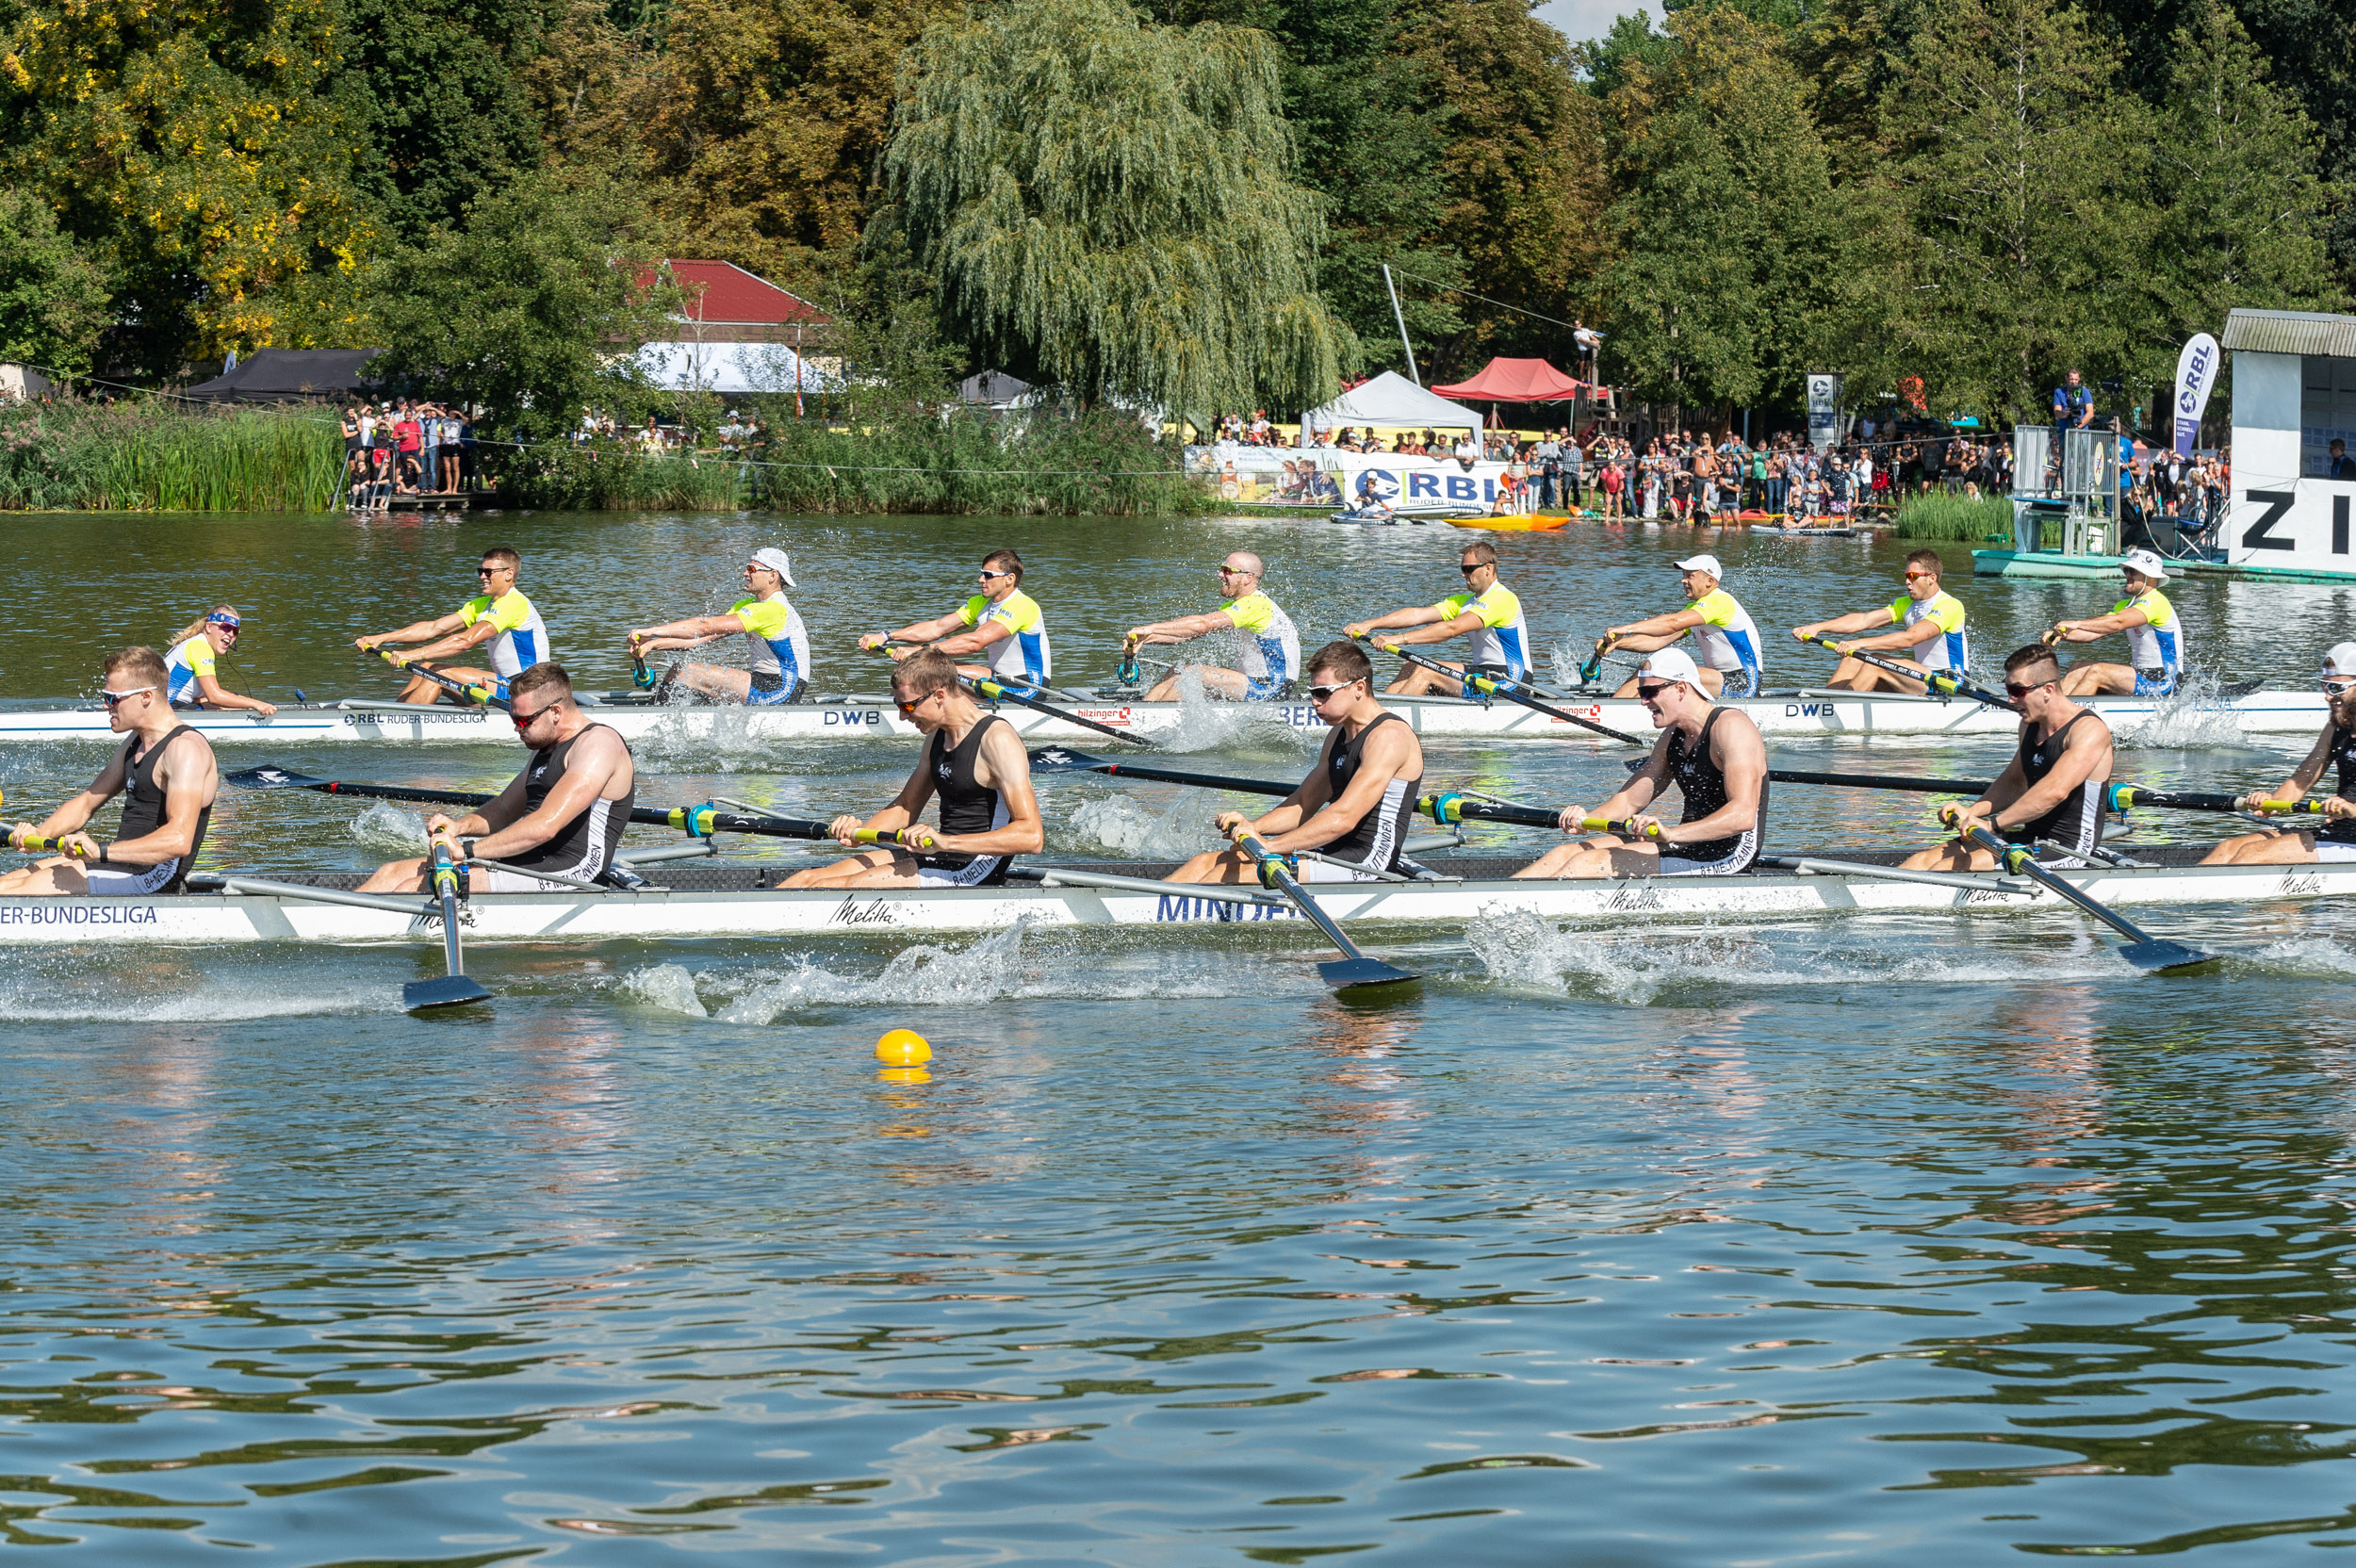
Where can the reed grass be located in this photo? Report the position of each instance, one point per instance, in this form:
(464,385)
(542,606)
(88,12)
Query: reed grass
(1954,519)
(153,456)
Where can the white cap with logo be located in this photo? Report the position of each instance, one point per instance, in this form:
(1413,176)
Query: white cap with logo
(2146,562)
(774,558)
(1703,564)
(2340,662)
(1672,664)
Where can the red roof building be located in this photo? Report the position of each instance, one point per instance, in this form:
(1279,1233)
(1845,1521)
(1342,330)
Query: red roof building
(727,305)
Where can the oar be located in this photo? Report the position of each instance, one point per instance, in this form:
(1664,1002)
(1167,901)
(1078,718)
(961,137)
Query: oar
(2142,948)
(1354,970)
(699,822)
(486,696)
(1065,759)
(1942,683)
(999,692)
(1514,690)
(2120,797)
(454,989)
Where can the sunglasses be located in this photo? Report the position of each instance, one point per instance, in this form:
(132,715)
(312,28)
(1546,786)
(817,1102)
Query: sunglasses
(491,571)
(1225,571)
(2017,692)
(1469,570)
(1912,577)
(523,720)
(984,576)
(113,699)
(2337,688)
(1325,694)
(1649,693)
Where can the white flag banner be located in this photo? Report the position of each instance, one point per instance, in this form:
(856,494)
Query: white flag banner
(2196,376)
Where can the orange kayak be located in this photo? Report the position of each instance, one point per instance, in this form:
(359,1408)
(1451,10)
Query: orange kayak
(1530,524)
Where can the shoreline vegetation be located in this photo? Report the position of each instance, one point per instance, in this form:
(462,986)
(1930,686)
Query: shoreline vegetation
(153,456)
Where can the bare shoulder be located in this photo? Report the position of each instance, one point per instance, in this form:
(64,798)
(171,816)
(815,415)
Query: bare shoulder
(1004,756)
(186,757)
(1395,743)
(1736,731)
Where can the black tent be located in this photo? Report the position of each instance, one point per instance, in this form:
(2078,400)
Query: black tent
(289,376)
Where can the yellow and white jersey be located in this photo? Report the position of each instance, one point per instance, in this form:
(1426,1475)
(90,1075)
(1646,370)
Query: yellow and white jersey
(780,642)
(1950,652)
(1502,637)
(522,641)
(1023,655)
(1729,638)
(2159,644)
(1271,648)
(183,665)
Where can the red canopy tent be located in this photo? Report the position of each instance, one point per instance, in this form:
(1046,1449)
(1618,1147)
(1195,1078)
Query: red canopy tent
(1517,381)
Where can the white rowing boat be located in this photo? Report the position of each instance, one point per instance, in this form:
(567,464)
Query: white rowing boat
(719,900)
(1788,715)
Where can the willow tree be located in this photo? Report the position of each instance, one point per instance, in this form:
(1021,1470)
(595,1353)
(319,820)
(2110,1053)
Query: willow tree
(1110,206)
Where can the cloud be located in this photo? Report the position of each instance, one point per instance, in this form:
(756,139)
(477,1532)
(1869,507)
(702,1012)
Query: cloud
(1581,20)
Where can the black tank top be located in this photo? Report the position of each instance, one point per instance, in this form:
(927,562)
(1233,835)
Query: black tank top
(584,846)
(1376,841)
(2077,822)
(1703,783)
(144,805)
(2342,829)
(967,805)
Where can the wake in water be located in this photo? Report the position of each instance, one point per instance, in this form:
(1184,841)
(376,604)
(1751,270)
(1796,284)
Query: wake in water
(2197,717)
(1120,824)
(388,829)
(1640,967)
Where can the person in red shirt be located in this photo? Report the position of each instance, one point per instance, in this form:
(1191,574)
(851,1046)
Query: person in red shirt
(409,440)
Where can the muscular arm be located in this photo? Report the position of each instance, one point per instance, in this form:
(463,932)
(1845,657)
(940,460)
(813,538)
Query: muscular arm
(1004,767)
(1668,628)
(214,696)
(1915,636)
(1185,628)
(599,761)
(1468,621)
(2101,626)
(415,631)
(1389,752)
(915,631)
(694,632)
(1741,756)
(71,815)
(2088,753)
(189,778)
(2311,768)
(1422,614)
(1864,620)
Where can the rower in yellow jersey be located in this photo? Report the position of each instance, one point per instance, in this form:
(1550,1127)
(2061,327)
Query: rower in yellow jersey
(772,628)
(1001,621)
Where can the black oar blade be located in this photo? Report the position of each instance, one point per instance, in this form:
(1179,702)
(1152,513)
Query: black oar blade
(272,778)
(2162,957)
(1063,760)
(1358,978)
(450,991)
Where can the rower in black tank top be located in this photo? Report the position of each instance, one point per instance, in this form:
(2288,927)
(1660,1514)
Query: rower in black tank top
(2076,823)
(2341,830)
(1375,843)
(144,808)
(1703,783)
(584,846)
(967,805)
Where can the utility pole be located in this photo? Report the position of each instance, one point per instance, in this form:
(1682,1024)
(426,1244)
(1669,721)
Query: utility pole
(1397,315)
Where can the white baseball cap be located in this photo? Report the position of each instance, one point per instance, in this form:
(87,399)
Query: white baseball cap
(1703,564)
(2146,562)
(2340,660)
(774,558)
(1672,664)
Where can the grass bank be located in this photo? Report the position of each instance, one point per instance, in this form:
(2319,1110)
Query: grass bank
(1953,519)
(153,456)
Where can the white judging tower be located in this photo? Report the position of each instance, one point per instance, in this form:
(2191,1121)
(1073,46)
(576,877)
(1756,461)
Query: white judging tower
(2293,392)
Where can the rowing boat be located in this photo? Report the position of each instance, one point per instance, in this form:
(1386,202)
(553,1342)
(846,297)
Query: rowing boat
(726,901)
(1788,715)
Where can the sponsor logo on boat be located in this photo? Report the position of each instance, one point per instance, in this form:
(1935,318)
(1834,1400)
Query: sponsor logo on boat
(48,912)
(1301,715)
(1587,710)
(2301,883)
(853,718)
(851,911)
(1633,896)
(1981,895)
(1114,717)
(1175,907)
(424,719)
(1808,710)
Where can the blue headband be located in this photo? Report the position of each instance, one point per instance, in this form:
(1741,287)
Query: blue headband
(217,618)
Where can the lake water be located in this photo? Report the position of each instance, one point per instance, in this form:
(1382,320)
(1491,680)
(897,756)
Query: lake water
(1877,1241)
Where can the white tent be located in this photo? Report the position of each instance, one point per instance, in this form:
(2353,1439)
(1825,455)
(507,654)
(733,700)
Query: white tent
(732,367)
(1394,402)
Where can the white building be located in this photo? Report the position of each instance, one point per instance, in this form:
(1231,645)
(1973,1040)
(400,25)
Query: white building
(2294,393)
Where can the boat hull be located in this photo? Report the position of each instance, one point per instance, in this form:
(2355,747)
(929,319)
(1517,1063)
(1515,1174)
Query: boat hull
(1791,715)
(750,912)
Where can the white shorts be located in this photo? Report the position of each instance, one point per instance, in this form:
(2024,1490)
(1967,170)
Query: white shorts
(107,882)
(1325,870)
(971,875)
(2329,852)
(490,879)
(1676,865)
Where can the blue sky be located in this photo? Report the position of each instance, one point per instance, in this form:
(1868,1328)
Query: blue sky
(1584,19)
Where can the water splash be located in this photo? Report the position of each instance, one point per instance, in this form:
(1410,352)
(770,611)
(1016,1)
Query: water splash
(669,987)
(1119,824)
(388,827)
(2197,717)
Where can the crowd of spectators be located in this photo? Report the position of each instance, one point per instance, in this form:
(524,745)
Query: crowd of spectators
(408,449)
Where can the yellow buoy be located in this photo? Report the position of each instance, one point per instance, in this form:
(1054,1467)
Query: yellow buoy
(903,1048)
(903,1075)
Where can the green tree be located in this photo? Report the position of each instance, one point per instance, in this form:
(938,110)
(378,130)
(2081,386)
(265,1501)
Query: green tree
(1109,206)
(1731,238)
(2023,176)
(2243,212)
(190,151)
(53,299)
(521,309)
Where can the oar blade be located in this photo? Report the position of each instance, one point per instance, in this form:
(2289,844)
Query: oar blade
(1359,979)
(1063,760)
(272,778)
(2161,957)
(450,991)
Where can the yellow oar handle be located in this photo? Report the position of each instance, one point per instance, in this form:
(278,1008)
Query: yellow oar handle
(1605,824)
(901,837)
(51,846)
(2313,808)
(479,693)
